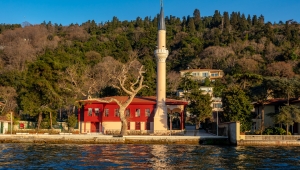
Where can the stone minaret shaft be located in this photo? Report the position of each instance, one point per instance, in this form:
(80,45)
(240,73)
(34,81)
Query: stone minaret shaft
(161,53)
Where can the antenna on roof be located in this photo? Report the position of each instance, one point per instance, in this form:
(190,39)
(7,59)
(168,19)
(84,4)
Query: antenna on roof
(161,3)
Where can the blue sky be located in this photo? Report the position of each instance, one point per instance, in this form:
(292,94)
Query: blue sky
(66,12)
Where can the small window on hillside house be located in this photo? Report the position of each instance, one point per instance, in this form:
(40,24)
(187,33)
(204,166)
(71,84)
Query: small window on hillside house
(217,105)
(204,74)
(147,112)
(90,111)
(214,74)
(106,112)
(117,113)
(96,111)
(137,113)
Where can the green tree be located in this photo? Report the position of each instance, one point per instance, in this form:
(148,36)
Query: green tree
(199,105)
(237,107)
(287,116)
(187,84)
(226,20)
(41,94)
(191,25)
(197,19)
(284,87)
(216,19)
(72,121)
(247,80)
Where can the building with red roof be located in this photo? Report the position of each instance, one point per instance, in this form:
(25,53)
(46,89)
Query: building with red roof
(272,106)
(101,115)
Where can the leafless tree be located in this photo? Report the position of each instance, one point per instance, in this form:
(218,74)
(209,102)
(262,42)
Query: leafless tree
(280,69)
(130,85)
(8,99)
(271,52)
(213,57)
(173,82)
(128,78)
(76,32)
(248,65)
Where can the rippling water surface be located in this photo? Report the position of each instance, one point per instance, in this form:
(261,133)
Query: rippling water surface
(62,156)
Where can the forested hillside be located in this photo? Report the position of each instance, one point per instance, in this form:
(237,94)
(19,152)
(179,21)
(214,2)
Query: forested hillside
(49,66)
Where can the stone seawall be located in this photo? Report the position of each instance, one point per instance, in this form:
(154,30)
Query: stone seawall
(268,143)
(104,139)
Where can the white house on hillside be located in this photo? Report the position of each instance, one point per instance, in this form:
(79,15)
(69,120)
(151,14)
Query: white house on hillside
(201,74)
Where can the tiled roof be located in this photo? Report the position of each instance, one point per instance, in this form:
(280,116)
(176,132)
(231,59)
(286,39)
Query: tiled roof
(278,101)
(136,100)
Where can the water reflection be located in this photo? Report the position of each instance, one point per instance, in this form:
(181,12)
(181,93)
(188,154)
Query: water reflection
(57,156)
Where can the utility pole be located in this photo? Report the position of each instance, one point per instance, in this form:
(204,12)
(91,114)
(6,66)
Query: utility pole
(217,122)
(11,124)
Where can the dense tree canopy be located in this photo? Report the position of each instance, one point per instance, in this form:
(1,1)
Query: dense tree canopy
(237,107)
(50,65)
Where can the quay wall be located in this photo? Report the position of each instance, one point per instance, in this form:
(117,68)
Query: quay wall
(268,143)
(108,139)
(269,140)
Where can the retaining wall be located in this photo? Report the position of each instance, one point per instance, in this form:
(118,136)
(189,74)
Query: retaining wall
(107,139)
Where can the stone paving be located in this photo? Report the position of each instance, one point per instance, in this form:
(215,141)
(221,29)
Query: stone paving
(200,132)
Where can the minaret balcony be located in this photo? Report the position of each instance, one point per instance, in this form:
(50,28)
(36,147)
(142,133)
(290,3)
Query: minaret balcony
(159,52)
(161,55)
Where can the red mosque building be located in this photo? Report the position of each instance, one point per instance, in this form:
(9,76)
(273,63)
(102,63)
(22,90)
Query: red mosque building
(101,115)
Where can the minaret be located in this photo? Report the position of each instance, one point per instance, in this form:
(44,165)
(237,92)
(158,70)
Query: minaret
(161,53)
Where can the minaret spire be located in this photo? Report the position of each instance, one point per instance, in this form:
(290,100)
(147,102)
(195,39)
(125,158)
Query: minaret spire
(161,22)
(161,53)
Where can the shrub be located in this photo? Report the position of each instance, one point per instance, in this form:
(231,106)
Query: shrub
(278,131)
(268,131)
(274,131)
(72,121)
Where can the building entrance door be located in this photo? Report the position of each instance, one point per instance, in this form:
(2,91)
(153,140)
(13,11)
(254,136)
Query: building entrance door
(94,126)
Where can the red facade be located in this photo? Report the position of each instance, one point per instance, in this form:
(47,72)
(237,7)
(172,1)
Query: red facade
(141,109)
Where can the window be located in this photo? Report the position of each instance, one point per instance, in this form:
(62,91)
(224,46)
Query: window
(106,112)
(117,113)
(96,111)
(147,112)
(137,125)
(127,112)
(214,74)
(204,74)
(147,126)
(217,105)
(137,113)
(90,111)
(195,74)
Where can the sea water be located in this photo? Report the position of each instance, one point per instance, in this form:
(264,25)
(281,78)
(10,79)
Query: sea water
(126,156)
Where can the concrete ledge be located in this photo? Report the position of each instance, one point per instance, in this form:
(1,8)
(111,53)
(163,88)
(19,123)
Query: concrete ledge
(268,143)
(22,133)
(65,133)
(66,138)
